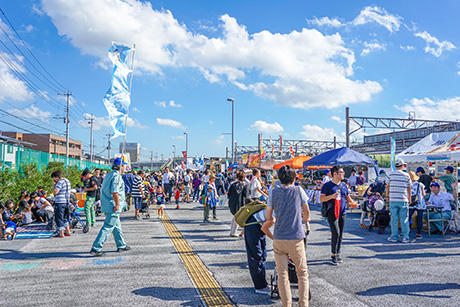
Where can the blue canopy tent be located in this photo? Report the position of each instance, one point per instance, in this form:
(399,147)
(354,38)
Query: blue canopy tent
(341,156)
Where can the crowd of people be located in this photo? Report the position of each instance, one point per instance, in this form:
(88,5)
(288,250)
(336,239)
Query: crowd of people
(285,205)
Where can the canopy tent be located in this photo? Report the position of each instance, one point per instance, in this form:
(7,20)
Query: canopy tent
(340,156)
(296,162)
(438,146)
(268,164)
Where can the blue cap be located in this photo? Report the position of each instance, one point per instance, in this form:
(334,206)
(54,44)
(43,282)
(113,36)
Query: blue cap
(450,169)
(435,184)
(420,170)
(119,161)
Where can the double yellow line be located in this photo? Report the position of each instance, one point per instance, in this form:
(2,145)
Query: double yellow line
(210,291)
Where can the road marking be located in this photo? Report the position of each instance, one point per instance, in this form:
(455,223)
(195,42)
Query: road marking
(211,292)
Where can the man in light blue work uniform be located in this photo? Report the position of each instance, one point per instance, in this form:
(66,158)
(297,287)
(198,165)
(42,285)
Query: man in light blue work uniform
(112,203)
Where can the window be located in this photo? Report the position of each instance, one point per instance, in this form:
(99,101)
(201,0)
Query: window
(9,149)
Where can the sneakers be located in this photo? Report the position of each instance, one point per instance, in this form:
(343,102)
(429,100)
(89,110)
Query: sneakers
(363,226)
(265,291)
(390,239)
(96,253)
(215,218)
(234,235)
(408,241)
(124,249)
(334,261)
(339,259)
(418,236)
(206,221)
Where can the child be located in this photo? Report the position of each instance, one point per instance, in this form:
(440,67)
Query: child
(210,202)
(10,230)
(27,215)
(160,197)
(177,196)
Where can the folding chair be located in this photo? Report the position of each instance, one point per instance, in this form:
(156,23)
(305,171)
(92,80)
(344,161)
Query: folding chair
(429,220)
(452,221)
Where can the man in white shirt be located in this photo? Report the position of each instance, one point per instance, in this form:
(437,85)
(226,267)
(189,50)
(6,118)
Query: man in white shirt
(352,180)
(327,177)
(442,200)
(256,186)
(167,176)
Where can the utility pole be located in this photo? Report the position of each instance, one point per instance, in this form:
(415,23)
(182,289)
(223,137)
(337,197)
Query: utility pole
(66,119)
(109,136)
(186,147)
(347,126)
(174,155)
(91,143)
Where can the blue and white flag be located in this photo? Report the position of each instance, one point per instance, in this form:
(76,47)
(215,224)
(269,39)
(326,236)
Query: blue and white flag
(117,99)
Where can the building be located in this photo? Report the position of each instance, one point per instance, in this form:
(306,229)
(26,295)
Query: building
(8,150)
(49,143)
(381,144)
(134,150)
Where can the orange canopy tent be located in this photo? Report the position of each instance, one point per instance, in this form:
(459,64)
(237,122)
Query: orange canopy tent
(296,162)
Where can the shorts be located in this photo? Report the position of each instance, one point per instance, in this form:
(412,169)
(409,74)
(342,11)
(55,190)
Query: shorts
(162,206)
(137,203)
(9,230)
(187,190)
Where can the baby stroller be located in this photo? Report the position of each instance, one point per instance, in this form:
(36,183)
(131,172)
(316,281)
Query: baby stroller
(75,215)
(379,215)
(274,292)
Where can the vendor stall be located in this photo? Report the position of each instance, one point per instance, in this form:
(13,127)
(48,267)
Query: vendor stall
(342,156)
(296,162)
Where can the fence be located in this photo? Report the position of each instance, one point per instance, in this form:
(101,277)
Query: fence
(14,157)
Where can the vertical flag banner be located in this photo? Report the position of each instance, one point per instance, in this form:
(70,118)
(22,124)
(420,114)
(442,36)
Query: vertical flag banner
(393,154)
(117,99)
(273,147)
(281,145)
(184,153)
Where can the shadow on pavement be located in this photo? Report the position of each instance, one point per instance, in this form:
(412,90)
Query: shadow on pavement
(403,256)
(412,290)
(15,255)
(244,296)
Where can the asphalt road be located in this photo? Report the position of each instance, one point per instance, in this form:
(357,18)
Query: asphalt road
(375,273)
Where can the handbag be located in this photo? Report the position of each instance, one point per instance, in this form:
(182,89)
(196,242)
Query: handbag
(414,198)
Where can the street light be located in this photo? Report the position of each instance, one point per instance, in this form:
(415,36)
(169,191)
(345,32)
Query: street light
(233,128)
(186,147)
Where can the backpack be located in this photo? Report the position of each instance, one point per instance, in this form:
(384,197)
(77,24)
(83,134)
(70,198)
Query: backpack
(324,209)
(245,212)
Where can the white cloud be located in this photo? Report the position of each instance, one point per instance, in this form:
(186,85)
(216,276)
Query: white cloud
(426,108)
(374,46)
(170,123)
(160,104)
(32,112)
(29,28)
(458,66)
(11,88)
(136,110)
(265,127)
(219,140)
(433,45)
(165,104)
(37,10)
(174,105)
(308,69)
(407,48)
(178,137)
(380,16)
(325,21)
(135,123)
(317,133)
(338,119)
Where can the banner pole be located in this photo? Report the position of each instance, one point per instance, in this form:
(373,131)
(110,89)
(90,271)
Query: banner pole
(130,90)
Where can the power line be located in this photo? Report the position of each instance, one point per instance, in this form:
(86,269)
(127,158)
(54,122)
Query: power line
(30,123)
(59,85)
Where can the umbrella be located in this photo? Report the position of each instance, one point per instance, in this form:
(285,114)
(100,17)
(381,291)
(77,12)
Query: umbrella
(340,156)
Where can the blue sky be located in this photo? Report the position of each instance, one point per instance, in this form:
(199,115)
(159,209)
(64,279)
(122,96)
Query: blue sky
(292,66)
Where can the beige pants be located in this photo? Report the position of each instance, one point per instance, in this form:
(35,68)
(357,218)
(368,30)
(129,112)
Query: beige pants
(295,249)
(234,229)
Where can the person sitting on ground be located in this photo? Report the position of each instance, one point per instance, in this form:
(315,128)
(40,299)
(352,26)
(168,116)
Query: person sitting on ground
(43,209)
(418,202)
(442,200)
(40,191)
(289,204)
(10,228)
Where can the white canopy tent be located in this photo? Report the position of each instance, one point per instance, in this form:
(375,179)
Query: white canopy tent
(439,146)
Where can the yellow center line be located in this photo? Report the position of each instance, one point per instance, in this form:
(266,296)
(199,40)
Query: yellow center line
(211,292)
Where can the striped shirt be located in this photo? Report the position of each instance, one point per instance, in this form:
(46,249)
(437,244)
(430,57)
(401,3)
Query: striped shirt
(399,182)
(63,197)
(137,182)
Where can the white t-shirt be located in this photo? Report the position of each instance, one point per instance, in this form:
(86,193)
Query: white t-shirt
(187,179)
(442,199)
(41,203)
(205,178)
(254,192)
(325,179)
